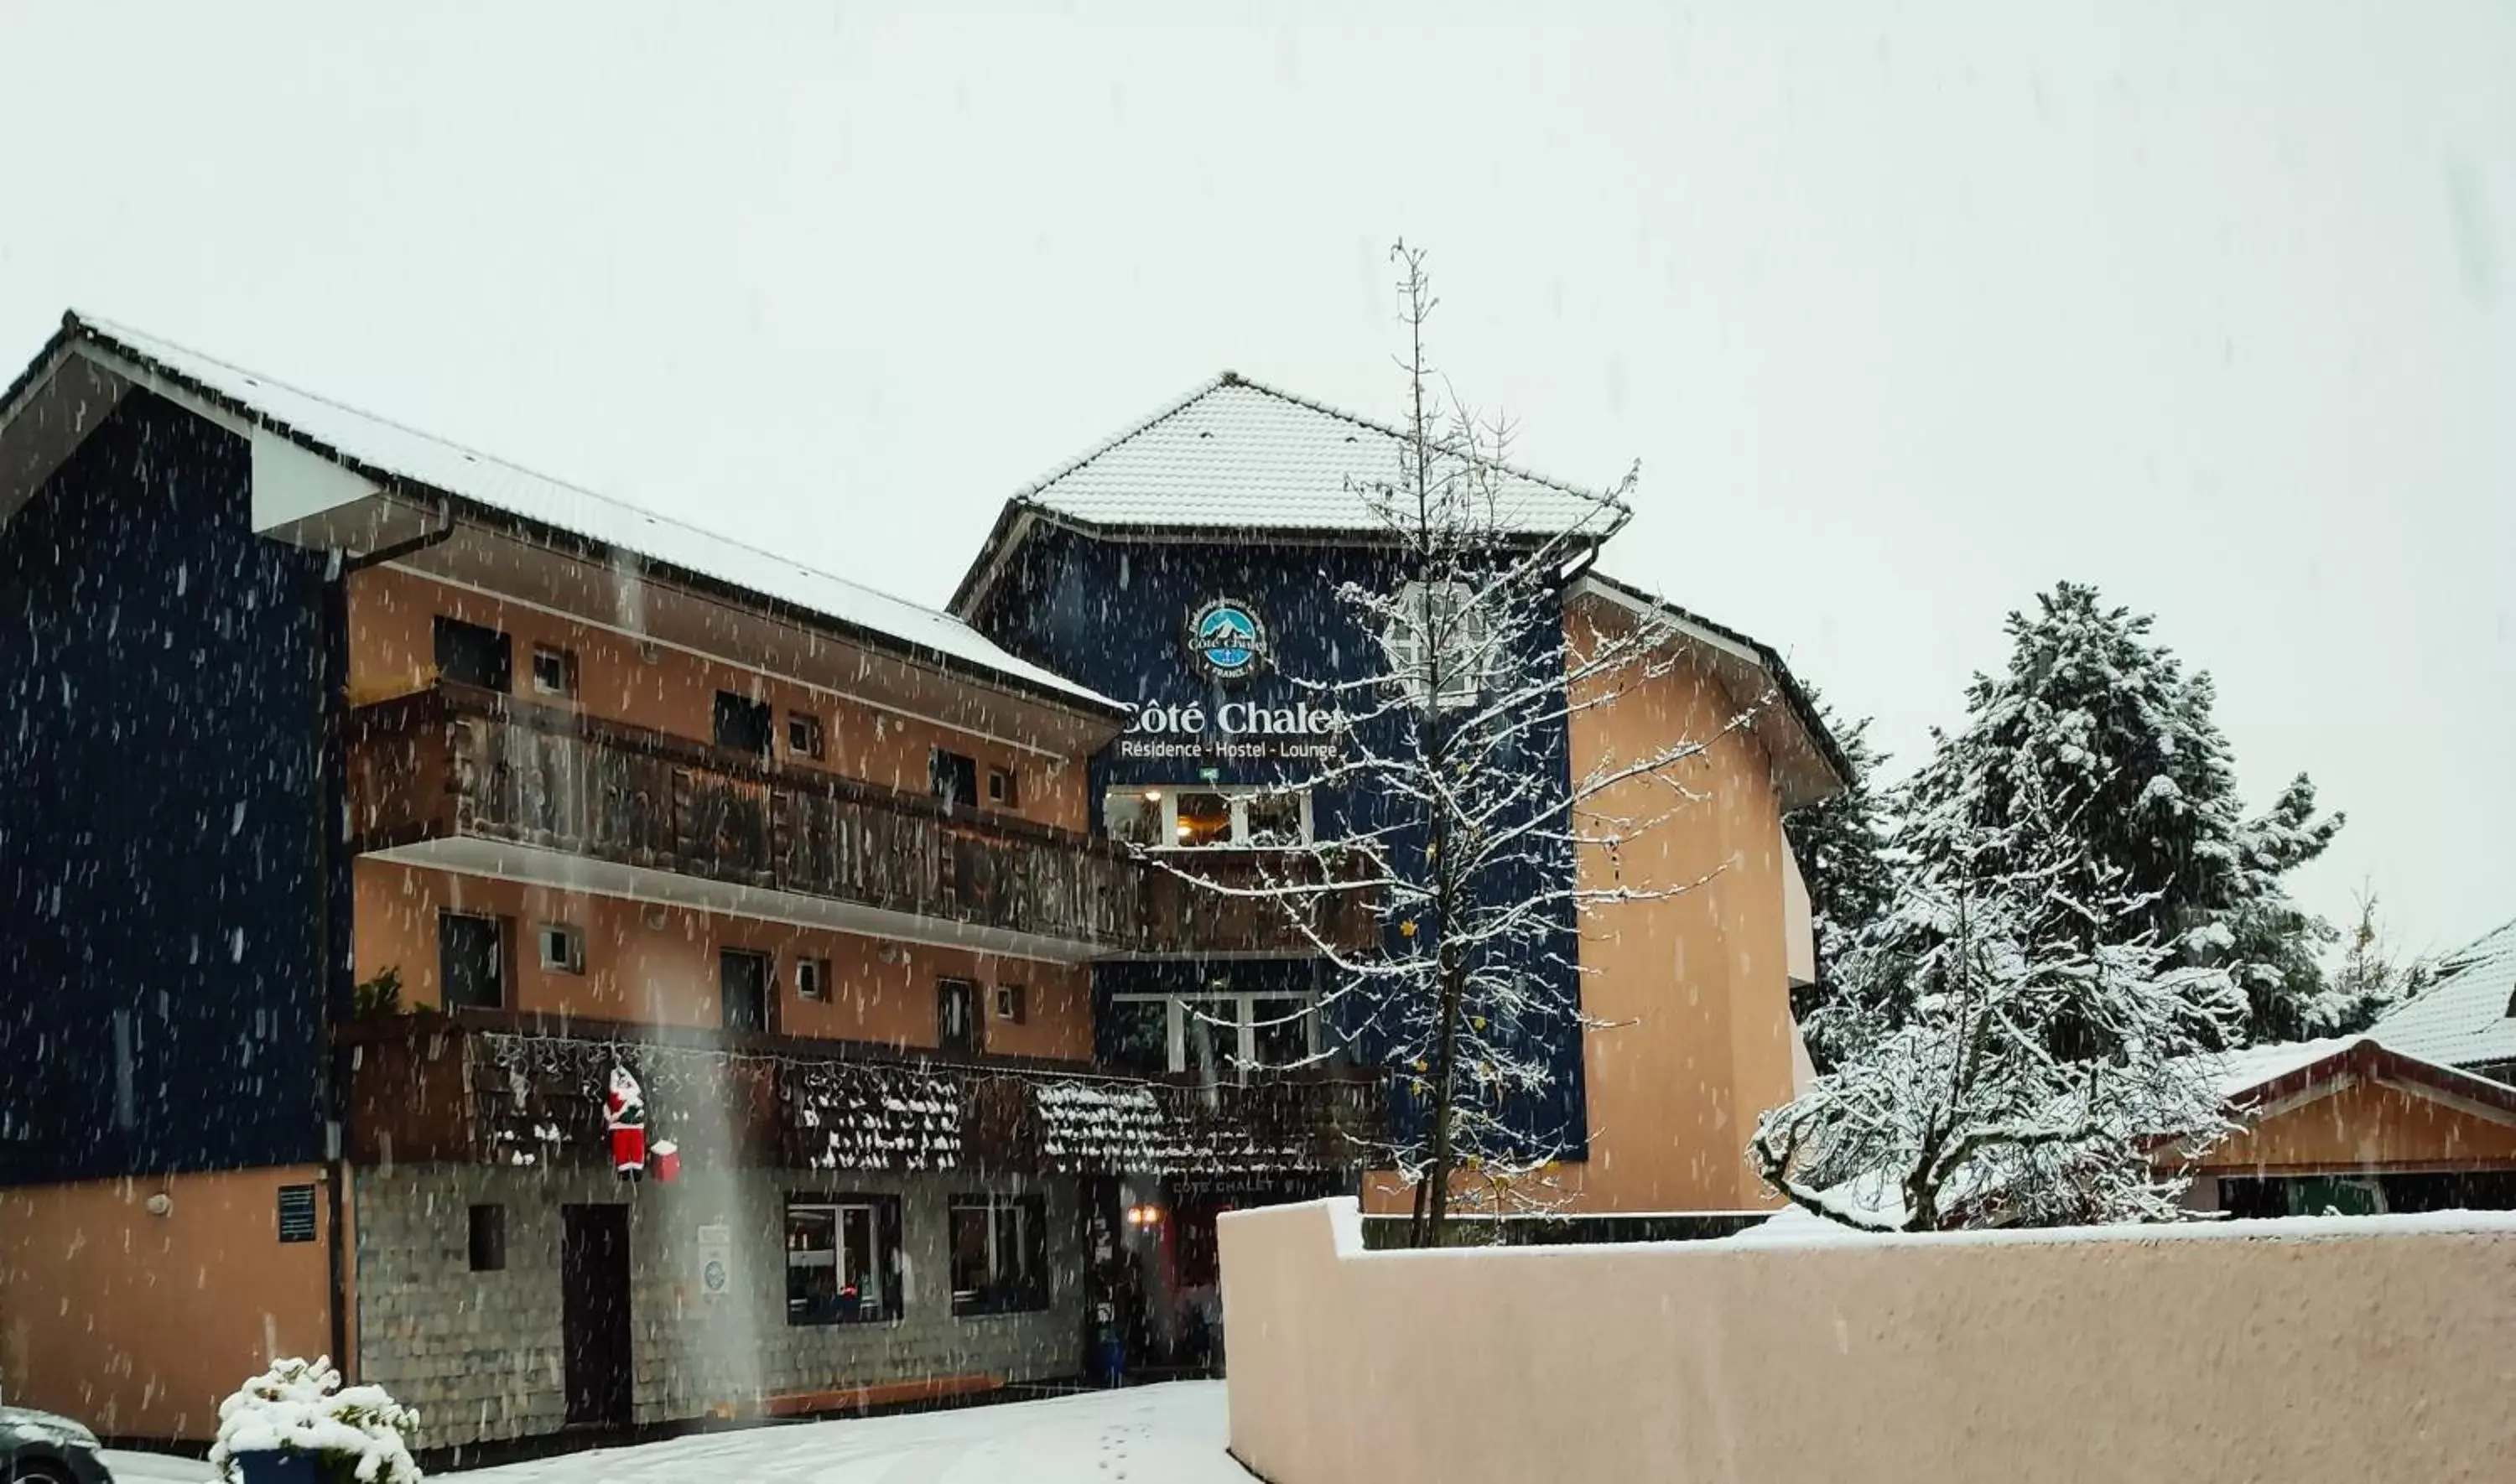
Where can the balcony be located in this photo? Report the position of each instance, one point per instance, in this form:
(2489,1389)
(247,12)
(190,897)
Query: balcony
(497,1086)
(490,784)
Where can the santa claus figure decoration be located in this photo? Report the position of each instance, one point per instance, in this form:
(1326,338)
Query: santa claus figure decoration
(624,1113)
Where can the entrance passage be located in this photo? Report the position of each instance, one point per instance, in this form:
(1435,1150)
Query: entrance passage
(593,1314)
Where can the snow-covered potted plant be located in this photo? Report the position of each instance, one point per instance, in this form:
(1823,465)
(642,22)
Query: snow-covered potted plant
(296,1423)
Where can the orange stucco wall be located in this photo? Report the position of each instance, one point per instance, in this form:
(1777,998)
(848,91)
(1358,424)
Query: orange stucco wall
(1694,987)
(658,965)
(2365,1126)
(393,651)
(138,1324)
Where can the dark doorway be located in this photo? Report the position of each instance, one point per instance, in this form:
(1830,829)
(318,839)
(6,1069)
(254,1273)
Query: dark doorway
(742,989)
(956,1016)
(956,777)
(468,654)
(742,724)
(471,961)
(593,1314)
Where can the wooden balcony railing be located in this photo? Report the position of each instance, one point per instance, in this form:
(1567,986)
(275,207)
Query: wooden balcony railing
(454,761)
(504,1088)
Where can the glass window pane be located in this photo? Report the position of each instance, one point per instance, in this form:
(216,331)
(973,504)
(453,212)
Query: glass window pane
(1133,816)
(1212,1048)
(1274,819)
(969,1254)
(1204,819)
(1282,1029)
(812,1271)
(1137,1035)
(859,1274)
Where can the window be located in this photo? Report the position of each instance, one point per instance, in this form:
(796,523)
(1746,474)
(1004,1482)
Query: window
(813,979)
(1273,818)
(1443,638)
(1209,815)
(803,734)
(955,776)
(999,1253)
(742,724)
(1133,816)
(488,1239)
(554,671)
(563,948)
(1222,1035)
(742,980)
(1001,789)
(842,1259)
(1013,1003)
(471,960)
(468,654)
(1201,818)
(956,1016)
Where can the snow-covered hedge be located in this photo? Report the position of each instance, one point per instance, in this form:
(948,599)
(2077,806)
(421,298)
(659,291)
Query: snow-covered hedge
(299,1406)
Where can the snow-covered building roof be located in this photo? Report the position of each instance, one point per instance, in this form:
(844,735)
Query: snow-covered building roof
(1239,455)
(2260,1080)
(2467,1017)
(396,458)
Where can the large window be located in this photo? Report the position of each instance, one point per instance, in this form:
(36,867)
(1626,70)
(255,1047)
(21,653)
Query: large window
(954,776)
(1444,639)
(842,1258)
(1221,1035)
(471,961)
(956,1017)
(742,724)
(746,990)
(1207,815)
(468,654)
(999,1253)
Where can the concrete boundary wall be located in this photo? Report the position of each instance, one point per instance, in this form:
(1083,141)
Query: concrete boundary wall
(2336,1350)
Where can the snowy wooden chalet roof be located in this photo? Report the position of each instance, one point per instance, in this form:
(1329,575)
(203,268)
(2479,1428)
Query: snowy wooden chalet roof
(2464,1018)
(393,456)
(1237,456)
(2268,1077)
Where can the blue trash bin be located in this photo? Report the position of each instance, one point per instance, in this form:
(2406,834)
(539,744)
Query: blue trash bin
(275,1467)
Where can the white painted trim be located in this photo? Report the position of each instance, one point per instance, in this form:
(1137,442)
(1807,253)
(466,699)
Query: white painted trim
(558,870)
(818,688)
(291,484)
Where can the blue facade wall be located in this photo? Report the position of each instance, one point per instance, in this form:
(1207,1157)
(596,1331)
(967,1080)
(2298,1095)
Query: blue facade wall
(163,679)
(1114,615)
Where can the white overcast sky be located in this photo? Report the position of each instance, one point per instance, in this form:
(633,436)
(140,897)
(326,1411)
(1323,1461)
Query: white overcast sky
(1906,316)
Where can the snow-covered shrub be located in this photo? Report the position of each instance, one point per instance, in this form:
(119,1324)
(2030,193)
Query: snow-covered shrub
(300,1406)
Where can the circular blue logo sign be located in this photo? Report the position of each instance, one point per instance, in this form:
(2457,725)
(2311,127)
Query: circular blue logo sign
(1227,637)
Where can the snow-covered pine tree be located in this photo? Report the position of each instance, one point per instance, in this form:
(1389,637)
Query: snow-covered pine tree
(1843,845)
(1466,829)
(2100,722)
(1947,1106)
(2370,981)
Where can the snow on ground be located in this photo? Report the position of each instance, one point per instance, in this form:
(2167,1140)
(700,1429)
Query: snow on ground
(1172,1433)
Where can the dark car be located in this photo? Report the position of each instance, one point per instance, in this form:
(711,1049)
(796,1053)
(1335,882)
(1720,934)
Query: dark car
(39,1448)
